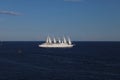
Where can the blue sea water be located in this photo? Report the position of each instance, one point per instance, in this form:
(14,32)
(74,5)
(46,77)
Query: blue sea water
(85,61)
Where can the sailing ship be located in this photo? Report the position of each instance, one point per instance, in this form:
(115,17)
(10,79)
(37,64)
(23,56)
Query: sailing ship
(57,43)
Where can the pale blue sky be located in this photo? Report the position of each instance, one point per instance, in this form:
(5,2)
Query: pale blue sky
(82,20)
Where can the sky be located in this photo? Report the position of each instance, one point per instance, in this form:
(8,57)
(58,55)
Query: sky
(82,20)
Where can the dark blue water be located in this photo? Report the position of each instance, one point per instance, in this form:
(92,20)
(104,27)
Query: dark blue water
(85,61)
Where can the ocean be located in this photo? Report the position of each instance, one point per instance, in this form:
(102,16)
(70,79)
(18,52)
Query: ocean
(24,60)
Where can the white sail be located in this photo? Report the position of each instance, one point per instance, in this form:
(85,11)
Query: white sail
(49,40)
(64,40)
(69,41)
(59,40)
(54,40)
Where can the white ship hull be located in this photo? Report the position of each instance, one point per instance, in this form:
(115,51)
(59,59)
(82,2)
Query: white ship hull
(61,45)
